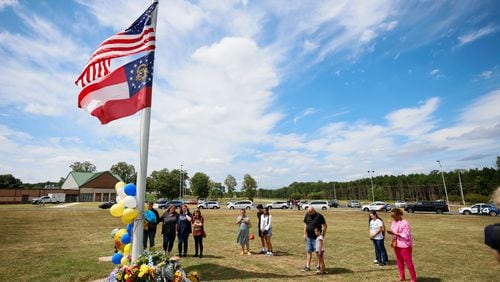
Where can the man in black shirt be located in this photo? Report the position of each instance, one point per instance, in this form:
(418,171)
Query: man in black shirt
(312,220)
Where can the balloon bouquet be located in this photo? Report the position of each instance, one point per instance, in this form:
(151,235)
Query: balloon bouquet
(151,266)
(125,208)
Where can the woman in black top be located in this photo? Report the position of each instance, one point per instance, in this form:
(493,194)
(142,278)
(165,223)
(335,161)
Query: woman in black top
(169,219)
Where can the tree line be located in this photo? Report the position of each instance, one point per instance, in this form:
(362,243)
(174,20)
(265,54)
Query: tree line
(477,185)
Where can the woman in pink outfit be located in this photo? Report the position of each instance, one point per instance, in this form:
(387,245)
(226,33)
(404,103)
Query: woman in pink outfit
(402,244)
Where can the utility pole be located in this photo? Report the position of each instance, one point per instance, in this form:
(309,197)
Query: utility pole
(371,180)
(444,182)
(461,189)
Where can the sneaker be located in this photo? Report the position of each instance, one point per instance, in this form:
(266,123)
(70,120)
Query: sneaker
(249,253)
(195,255)
(306,268)
(317,268)
(270,254)
(375,261)
(242,253)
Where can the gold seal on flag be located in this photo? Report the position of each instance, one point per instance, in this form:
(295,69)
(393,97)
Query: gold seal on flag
(142,72)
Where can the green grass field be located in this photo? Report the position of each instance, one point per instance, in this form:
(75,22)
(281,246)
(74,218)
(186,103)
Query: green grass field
(64,244)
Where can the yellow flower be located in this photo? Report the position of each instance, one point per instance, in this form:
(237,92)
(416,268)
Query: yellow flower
(143,270)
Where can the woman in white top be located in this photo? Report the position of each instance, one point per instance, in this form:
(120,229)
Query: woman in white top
(267,230)
(377,232)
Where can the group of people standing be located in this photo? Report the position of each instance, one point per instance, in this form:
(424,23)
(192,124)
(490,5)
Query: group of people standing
(401,242)
(182,224)
(265,231)
(178,225)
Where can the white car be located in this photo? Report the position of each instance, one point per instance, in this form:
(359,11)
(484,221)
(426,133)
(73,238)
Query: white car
(400,204)
(278,205)
(209,205)
(376,206)
(317,205)
(485,209)
(240,205)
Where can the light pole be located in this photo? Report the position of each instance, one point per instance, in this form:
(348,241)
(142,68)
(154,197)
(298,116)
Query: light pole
(180,184)
(371,180)
(444,183)
(461,189)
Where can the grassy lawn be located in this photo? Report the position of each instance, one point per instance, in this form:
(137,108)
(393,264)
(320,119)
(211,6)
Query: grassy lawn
(64,244)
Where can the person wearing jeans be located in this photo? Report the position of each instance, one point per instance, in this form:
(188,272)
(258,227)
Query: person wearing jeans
(402,243)
(377,230)
(198,233)
(183,230)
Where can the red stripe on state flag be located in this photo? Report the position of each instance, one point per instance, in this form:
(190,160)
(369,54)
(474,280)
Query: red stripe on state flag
(116,109)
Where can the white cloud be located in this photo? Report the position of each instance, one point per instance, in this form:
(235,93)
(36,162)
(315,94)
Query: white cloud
(475,35)
(486,74)
(435,72)
(305,113)
(7,3)
(413,122)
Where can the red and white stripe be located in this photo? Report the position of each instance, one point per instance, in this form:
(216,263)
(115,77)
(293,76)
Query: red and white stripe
(118,45)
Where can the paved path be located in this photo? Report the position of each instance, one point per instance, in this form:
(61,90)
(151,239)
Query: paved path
(63,205)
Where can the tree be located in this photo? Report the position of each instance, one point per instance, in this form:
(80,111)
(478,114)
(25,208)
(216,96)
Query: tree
(230,183)
(200,185)
(125,171)
(498,162)
(9,181)
(83,167)
(249,186)
(216,190)
(164,182)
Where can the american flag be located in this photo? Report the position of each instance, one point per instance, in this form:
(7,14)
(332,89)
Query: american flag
(140,36)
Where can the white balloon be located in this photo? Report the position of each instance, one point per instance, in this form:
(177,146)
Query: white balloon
(119,198)
(121,192)
(129,202)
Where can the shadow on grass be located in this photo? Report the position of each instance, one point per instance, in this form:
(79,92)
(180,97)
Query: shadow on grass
(338,270)
(219,272)
(428,279)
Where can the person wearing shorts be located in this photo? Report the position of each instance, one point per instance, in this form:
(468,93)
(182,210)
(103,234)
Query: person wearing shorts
(320,251)
(312,220)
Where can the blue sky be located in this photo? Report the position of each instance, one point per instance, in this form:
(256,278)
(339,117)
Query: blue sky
(283,90)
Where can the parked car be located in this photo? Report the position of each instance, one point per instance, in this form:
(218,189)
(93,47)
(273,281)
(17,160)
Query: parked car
(51,198)
(353,204)
(376,206)
(278,205)
(240,205)
(317,205)
(400,204)
(483,209)
(334,203)
(439,206)
(177,203)
(161,201)
(107,205)
(191,202)
(209,205)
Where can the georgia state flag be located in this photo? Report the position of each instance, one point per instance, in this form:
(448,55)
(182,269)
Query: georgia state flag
(122,92)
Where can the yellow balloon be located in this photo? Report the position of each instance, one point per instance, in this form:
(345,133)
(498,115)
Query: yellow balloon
(119,234)
(124,261)
(126,249)
(130,213)
(119,185)
(117,210)
(127,220)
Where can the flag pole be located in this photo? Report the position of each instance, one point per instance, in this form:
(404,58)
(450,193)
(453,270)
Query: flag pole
(138,233)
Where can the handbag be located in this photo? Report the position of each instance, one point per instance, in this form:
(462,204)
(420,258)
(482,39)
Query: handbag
(204,234)
(394,243)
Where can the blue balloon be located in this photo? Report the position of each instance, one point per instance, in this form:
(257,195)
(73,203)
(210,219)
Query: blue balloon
(125,239)
(117,258)
(150,216)
(130,228)
(130,189)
